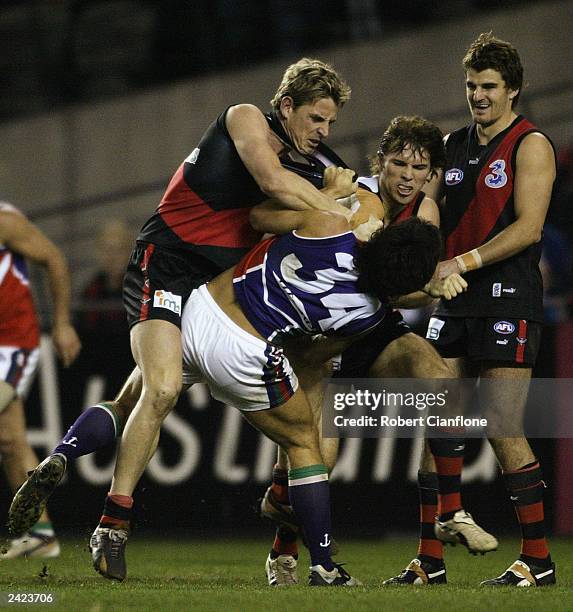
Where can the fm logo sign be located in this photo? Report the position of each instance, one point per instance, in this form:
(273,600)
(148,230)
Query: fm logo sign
(166,299)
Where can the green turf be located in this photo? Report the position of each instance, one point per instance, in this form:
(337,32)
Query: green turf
(229,575)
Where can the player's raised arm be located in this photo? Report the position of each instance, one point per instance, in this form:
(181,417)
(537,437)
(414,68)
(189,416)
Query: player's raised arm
(22,236)
(274,217)
(249,131)
(534,176)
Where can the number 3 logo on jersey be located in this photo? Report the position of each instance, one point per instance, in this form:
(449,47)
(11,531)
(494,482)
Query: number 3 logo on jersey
(498,177)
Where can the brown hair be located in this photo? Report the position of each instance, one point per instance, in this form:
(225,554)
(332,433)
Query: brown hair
(487,51)
(421,135)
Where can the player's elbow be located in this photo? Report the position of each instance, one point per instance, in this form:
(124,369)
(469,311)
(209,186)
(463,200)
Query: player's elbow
(257,218)
(534,235)
(537,235)
(50,256)
(529,232)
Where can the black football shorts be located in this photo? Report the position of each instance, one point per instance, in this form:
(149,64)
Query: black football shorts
(486,339)
(158,282)
(356,360)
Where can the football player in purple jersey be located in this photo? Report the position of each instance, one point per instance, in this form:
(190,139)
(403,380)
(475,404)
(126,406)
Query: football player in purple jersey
(317,279)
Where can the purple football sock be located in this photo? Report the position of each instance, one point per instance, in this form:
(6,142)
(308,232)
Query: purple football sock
(97,427)
(309,494)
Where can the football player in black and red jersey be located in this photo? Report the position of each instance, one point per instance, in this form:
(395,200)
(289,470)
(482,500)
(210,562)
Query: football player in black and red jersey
(497,184)
(200,228)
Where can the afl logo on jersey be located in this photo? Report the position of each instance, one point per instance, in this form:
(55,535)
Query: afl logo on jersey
(498,177)
(454,176)
(504,327)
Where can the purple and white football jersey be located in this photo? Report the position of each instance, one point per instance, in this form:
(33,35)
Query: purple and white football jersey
(292,285)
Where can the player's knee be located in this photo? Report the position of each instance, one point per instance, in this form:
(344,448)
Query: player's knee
(328,450)
(299,456)
(329,461)
(123,407)
(435,367)
(161,397)
(122,411)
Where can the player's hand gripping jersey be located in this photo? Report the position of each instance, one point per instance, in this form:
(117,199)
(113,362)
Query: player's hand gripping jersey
(293,285)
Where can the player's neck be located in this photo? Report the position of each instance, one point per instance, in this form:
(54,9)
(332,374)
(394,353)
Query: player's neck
(278,145)
(391,208)
(486,134)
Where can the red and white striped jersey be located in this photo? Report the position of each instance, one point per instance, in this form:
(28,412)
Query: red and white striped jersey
(18,320)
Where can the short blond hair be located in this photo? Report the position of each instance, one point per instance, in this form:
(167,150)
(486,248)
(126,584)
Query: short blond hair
(308,80)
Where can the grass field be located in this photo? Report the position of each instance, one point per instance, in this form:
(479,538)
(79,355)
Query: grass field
(229,575)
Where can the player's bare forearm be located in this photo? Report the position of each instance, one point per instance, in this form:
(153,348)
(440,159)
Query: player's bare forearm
(60,287)
(509,242)
(297,193)
(66,341)
(274,217)
(418,299)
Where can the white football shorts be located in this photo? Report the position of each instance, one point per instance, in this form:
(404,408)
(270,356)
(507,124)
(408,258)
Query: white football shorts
(18,367)
(240,369)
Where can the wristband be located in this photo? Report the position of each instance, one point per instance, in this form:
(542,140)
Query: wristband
(469,261)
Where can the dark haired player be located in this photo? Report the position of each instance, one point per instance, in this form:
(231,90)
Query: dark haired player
(316,280)
(411,151)
(497,184)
